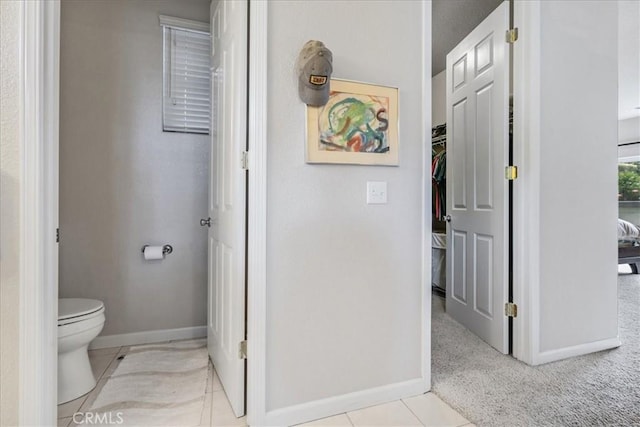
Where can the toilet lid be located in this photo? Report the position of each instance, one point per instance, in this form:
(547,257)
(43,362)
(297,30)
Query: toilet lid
(69,308)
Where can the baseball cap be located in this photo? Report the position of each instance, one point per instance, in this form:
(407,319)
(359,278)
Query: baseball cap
(314,67)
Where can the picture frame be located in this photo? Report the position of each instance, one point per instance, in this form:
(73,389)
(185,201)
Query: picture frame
(358,125)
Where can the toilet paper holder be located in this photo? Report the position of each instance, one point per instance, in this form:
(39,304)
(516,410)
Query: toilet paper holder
(166,249)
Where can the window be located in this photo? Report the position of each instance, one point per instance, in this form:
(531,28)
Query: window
(186,97)
(629,182)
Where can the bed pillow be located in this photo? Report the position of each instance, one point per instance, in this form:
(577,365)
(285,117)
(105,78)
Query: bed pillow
(628,231)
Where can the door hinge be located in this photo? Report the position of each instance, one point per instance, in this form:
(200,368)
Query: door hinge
(242,349)
(512,35)
(57,235)
(510,309)
(511,172)
(245,160)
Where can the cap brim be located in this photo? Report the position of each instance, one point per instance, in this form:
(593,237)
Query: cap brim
(315,97)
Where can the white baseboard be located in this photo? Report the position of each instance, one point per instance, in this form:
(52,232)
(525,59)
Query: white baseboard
(147,337)
(317,409)
(577,350)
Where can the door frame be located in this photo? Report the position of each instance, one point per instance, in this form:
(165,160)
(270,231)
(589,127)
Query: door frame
(526,127)
(39,71)
(256,310)
(39,28)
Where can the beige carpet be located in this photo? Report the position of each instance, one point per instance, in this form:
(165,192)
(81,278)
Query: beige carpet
(155,385)
(490,389)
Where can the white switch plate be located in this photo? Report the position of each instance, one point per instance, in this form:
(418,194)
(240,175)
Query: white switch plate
(376,192)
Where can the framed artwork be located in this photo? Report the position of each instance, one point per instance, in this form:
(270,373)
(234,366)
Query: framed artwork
(358,125)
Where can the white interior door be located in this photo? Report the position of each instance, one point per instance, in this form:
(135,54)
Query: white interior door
(227,196)
(477,191)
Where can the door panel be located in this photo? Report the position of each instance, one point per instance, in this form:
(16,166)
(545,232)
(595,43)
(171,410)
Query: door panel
(483,275)
(459,266)
(478,148)
(483,166)
(484,54)
(226,316)
(457,156)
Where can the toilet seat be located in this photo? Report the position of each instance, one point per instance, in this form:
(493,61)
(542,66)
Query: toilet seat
(74,310)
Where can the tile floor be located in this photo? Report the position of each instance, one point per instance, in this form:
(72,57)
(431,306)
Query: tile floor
(103,363)
(424,410)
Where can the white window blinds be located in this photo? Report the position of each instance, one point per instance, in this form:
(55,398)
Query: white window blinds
(186,98)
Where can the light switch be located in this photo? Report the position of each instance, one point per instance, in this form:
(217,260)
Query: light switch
(376,192)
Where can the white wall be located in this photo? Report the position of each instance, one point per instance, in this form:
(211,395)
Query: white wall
(123,182)
(629,129)
(10,224)
(567,192)
(629,74)
(629,59)
(343,277)
(439,98)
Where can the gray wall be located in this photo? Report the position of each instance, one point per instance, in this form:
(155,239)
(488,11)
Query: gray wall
(123,182)
(578,112)
(439,99)
(343,277)
(567,189)
(10,225)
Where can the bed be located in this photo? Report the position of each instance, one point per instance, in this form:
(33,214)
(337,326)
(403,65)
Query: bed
(629,245)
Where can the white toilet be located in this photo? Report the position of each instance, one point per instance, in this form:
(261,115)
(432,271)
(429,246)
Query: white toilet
(79,322)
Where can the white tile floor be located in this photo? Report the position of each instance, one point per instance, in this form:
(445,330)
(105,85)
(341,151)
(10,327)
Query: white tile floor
(424,410)
(103,363)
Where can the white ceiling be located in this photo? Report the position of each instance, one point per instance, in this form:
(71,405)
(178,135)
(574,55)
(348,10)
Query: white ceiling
(454,19)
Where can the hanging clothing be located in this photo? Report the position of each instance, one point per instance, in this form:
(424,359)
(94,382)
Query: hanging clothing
(438,178)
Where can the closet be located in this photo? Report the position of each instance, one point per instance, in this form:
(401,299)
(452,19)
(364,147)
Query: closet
(452,22)
(471,95)
(439,194)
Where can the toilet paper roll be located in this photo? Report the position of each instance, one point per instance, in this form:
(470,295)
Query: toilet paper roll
(153,252)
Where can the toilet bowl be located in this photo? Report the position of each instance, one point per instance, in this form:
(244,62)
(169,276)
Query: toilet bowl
(79,322)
